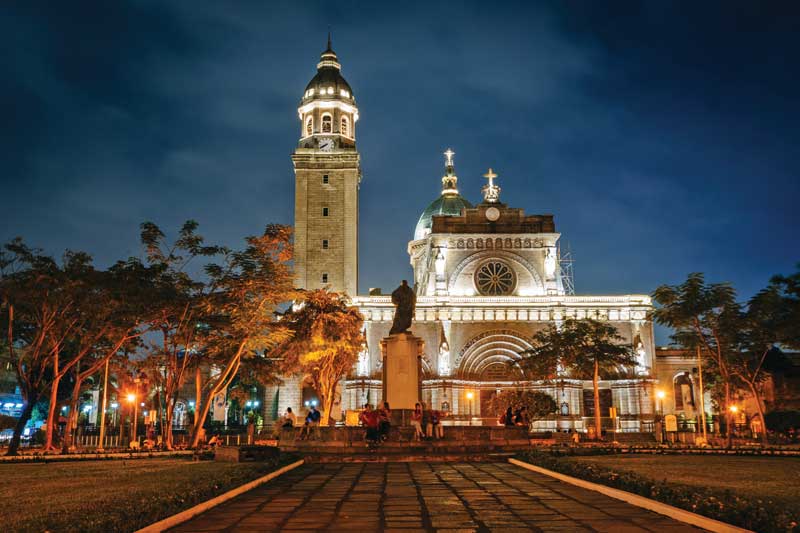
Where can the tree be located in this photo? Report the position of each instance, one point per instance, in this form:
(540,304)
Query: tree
(538,404)
(325,342)
(706,317)
(582,348)
(243,293)
(177,313)
(38,302)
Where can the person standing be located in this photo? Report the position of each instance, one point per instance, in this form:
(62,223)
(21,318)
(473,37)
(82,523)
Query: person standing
(416,422)
(385,421)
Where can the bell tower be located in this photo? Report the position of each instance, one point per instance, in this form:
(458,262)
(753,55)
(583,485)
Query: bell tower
(327,176)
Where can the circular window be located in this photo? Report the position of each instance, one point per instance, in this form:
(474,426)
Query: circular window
(495,278)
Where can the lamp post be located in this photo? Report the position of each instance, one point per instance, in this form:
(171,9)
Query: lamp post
(132,401)
(660,394)
(733,409)
(470,396)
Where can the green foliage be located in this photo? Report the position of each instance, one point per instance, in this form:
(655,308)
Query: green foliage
(576,346)
(784,305)
(538,403)
(581,348)
(781,421)
(754,514)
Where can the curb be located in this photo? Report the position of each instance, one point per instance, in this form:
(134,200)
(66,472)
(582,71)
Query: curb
(681,515)
(188,514)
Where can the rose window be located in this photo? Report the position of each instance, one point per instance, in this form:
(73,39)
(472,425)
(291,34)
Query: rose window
(495,278)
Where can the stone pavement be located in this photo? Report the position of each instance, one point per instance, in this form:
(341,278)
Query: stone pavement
(451,497)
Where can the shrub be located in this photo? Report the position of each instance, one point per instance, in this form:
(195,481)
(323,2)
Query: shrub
(757,515)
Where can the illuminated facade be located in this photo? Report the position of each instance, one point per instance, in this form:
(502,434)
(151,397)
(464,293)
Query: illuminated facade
(487,278)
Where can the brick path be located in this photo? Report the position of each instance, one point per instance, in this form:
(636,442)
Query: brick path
(425,497)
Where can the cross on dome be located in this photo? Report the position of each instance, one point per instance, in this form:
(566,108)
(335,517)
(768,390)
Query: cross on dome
(449,157)
(449,180)
(491,192)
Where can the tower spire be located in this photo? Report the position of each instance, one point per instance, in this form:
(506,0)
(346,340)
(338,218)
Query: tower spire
(449,180)
(329,49)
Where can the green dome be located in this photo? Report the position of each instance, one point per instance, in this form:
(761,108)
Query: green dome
(447,204)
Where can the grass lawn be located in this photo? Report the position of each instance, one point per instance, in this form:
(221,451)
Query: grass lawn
(766,478)
(111,495)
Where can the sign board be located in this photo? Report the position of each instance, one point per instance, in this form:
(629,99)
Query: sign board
(671,423)
(219,407)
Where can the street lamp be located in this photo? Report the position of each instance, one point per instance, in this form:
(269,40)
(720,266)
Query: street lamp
(470,396)
(132,400)
(660,394)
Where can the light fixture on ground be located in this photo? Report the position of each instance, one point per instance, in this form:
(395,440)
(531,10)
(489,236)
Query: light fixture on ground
(470,396)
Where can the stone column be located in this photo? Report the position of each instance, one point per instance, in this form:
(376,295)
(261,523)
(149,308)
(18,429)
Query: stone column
(402,370)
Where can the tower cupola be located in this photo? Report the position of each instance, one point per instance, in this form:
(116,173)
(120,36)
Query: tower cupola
(328,107)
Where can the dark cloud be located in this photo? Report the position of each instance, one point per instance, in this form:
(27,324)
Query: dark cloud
(660,135)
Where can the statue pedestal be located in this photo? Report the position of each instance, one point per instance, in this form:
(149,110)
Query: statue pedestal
(402,370)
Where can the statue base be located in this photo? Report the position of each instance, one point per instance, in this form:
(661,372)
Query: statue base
(402,370)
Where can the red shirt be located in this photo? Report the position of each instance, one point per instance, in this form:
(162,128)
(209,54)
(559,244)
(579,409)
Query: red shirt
(370,418)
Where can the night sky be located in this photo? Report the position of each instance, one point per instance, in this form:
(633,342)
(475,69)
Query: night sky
(661,135)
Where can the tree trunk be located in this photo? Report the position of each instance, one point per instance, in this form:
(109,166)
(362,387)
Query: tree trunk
(166,430)
(72,419)
(757,397)
(597,414)
(51,413)
(201,412)
(327,405)
(13,446)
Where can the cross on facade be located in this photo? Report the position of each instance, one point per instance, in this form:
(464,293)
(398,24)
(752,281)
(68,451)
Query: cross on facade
(490,176)
(491,192)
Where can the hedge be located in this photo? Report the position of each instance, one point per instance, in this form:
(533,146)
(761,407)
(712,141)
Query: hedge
(757,515)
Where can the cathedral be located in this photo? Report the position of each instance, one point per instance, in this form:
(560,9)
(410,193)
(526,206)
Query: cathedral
(487,276)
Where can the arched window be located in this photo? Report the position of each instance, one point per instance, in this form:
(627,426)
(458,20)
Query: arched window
(327,124)
(344,130)
(684,392)
(309,126)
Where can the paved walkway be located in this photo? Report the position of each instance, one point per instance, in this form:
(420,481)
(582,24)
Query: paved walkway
(480,497)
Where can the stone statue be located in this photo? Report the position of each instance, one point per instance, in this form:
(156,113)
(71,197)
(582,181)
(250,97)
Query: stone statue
(404,301)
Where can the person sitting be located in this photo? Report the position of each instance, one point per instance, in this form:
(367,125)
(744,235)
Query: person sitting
(312,422)
(521,417)
(371,420)
(416,422)
(508,418)
(436,424)
(427,421)
(289,419)
(214,441)
(384,421)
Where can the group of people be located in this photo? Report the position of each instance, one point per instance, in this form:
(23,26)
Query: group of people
(515,417)
(430,419)
(289,421)
(377,421)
